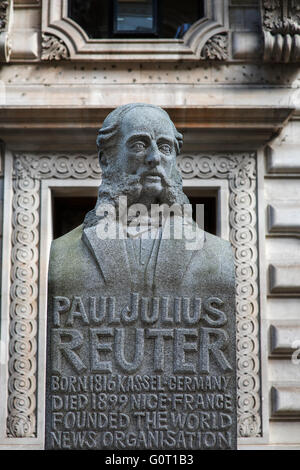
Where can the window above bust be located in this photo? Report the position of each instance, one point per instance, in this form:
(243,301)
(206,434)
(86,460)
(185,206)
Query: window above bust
(130,19)
(151,30)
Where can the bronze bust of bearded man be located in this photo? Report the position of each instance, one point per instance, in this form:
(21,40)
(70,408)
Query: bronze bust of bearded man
(138,308)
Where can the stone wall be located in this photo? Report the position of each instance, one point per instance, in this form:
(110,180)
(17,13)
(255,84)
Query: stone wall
(230,110)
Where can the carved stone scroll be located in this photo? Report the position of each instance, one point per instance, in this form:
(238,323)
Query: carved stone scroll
(53,48)
(29,170)
(216,48)
(281,29)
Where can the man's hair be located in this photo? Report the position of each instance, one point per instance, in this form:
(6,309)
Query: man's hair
(108,132)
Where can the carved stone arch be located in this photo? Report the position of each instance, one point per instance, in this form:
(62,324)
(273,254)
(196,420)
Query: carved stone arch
(206,35)
(56,24)
(214,23)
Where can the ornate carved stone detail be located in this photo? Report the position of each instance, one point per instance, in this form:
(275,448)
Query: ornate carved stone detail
(53,48)
(28,171)
(238,169)
(249,425)
(4,6)
(5,26)
(216,48)
(276,12)
(281,28)
(62,165)
(271,12)
(23,308)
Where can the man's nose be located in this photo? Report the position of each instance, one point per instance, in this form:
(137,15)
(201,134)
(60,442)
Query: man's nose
(153,158)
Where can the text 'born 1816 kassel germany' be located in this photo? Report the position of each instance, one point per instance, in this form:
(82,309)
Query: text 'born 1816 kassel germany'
(141,307)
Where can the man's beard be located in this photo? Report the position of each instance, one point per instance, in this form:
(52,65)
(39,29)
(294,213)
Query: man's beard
(132,186)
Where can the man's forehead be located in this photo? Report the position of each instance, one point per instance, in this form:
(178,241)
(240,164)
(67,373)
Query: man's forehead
(146,119)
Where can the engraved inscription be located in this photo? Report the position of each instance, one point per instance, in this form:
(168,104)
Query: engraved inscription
(172,412)
(107,401)
(208,340)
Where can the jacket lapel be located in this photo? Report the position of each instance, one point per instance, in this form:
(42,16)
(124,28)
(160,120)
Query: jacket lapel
(110,255)
(173,260)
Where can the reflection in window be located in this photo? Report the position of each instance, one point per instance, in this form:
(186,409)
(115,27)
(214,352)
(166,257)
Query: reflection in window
(135,18)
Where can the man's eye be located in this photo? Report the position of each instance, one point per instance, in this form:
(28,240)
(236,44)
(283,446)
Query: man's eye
(165,148)
(138,146)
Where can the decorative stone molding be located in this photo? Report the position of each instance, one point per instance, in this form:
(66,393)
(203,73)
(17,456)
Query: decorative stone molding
(281,29)
(39,166)
(240,171)
(55,22)
(23,312)
(29,170)
(6,10)
(209,35)
(53,48)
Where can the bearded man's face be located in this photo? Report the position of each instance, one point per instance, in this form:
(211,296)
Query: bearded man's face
(146,151)
(141,164)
